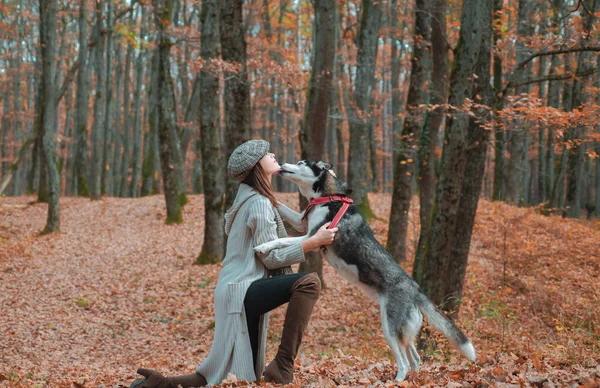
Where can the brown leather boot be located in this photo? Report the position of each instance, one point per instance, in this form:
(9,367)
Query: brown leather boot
(153,379)
(305,293)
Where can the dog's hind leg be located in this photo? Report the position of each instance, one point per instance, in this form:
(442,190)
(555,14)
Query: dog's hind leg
(412,328)
(413,357)
(391,336)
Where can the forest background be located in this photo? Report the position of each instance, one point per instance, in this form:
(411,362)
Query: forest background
(428,108)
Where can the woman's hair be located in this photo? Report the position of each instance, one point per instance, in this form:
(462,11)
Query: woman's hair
(258,180)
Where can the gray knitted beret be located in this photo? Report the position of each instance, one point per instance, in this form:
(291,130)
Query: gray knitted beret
(245,157)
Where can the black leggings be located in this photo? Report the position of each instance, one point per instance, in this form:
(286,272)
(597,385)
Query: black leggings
(263,296)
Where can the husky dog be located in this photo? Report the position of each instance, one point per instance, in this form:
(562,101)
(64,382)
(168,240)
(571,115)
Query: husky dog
(360,259)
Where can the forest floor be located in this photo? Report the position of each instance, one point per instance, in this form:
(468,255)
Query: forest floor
(117,289)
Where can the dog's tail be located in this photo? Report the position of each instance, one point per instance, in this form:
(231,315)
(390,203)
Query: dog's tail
(456,337)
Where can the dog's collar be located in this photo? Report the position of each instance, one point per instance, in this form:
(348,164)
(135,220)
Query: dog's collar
(346,201)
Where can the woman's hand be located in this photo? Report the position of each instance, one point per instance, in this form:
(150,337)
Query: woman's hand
(323,236)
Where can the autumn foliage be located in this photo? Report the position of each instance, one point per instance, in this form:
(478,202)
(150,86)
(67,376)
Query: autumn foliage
(87,306)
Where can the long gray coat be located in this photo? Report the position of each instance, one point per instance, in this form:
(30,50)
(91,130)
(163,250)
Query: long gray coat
(252,220)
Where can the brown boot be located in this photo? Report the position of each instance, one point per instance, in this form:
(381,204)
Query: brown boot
(153,379)
(305,293)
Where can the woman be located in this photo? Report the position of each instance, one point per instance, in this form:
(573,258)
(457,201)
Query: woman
(245,293)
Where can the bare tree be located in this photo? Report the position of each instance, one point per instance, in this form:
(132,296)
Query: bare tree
(134,187)
(312,134)
(237,91)
(97,161)
(360,115)
(472,52)
(48,9)
(438,95)
(213,248)
(167,120)
(406,154)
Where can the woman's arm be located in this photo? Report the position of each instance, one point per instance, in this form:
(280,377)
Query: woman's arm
(261,222)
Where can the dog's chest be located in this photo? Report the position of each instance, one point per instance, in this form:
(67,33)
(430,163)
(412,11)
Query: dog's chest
(350,273)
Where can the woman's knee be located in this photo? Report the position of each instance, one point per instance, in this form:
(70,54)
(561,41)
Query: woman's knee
(309,283)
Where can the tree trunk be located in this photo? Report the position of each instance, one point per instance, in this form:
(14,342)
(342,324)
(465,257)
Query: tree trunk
(124,185)
(431,127)
(116,155)
(360,114)
(150,167)
(48,9)
(477,142)
(517,145)
(106,183)
(312,133)
(134,188)
(5,130)
(167,119)
(213,248)
(99,106)
(34,171)
(475,26)
(68,137)
(597,149)
(407,150)
(237,91)
(18,107)
(498,192)
(577,134)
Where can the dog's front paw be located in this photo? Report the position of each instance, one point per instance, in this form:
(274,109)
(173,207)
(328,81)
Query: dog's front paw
(263,248)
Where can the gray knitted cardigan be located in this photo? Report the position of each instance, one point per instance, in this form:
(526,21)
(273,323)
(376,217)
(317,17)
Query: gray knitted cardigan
(252,220)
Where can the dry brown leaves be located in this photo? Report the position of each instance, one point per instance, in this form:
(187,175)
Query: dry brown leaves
(117,289)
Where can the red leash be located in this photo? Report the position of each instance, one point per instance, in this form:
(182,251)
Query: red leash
(346,202)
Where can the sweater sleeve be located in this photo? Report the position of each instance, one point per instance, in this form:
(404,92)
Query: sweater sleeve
(261,222)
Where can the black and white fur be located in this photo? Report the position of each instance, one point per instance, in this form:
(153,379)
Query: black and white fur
(358,257)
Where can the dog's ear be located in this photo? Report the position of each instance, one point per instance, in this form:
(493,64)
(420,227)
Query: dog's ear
(325,165)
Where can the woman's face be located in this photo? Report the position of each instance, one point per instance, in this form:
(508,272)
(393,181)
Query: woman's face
(269,164)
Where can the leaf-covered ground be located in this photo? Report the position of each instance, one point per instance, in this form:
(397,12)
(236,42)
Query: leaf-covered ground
(118,289)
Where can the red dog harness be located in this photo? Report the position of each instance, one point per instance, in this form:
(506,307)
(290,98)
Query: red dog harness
(332,198)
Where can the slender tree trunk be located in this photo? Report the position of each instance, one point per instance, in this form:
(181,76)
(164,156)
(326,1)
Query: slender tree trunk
(48,9)
(34,172)
(237,91)
(150,169)
(106,181)
(542,159)
(312,133)
(6,121)
(597,149)
(577,134)
(553,101)
(441,240)
(42,183)
(397,40)
(134,188)
(517,145)
(68,137)
(167,119)
(124,185)
(498,192)
(19,121)
(97,161)
(477,142)
(213,248)
(407,150)
(431,127)
(116,155)
(360,116)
